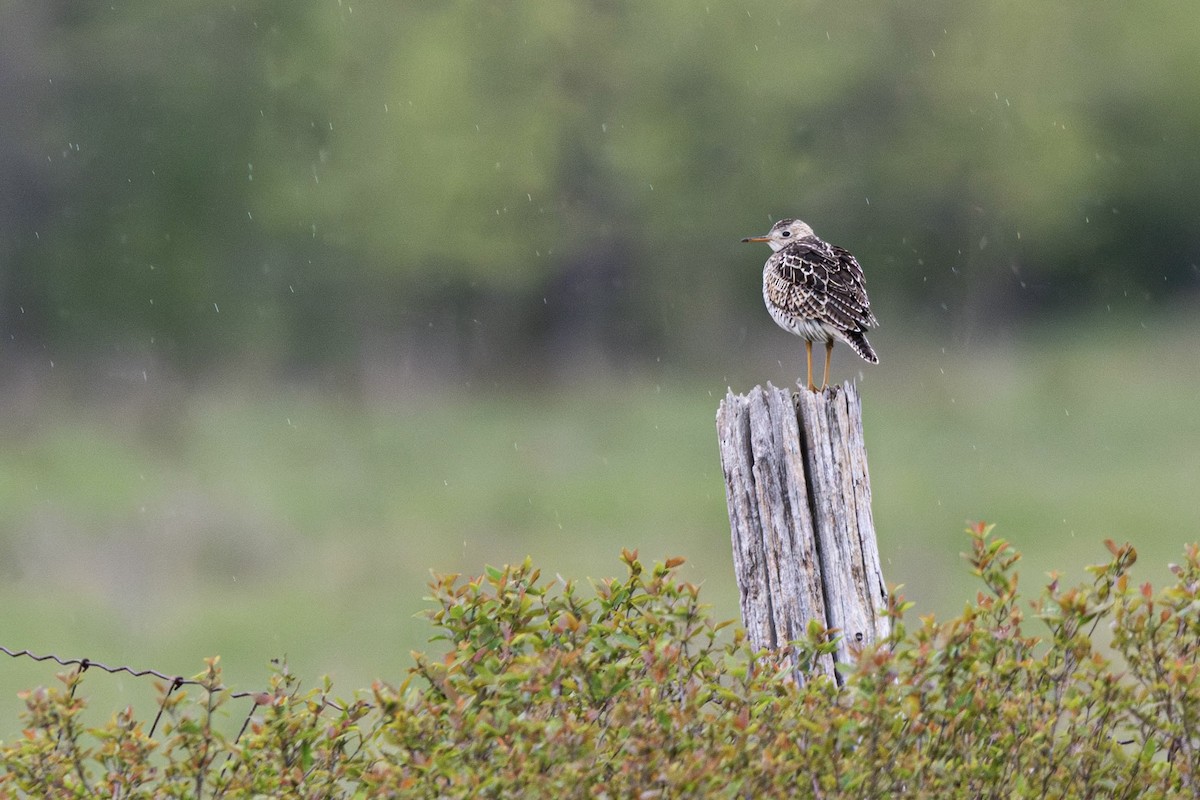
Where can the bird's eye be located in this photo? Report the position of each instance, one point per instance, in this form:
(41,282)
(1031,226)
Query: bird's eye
(785,234)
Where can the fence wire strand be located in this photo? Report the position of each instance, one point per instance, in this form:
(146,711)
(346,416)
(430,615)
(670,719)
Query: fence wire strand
(85,664)
(174,683)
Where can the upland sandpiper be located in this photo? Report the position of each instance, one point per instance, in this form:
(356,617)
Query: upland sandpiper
(817,291)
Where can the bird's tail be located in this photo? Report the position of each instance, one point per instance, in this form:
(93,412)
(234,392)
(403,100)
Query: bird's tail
(861,346)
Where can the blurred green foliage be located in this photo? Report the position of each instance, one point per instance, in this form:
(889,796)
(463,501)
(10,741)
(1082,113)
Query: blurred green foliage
(286,182)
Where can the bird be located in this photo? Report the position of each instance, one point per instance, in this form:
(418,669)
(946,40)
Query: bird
(817,291)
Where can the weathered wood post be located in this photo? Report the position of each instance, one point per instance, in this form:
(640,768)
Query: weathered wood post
(800,516)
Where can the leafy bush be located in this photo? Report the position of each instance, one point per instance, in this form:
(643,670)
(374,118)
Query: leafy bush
(636,692)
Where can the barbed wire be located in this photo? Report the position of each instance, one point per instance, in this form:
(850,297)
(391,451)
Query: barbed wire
(174,682)
(84,664)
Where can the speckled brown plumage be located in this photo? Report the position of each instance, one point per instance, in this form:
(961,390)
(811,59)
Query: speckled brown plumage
(817,291)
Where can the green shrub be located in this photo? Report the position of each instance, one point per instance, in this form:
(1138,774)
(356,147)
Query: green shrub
(634,691)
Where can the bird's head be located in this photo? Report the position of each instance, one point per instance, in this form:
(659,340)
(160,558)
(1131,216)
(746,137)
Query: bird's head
(783,233)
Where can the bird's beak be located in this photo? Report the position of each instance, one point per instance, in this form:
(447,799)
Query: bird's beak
(756,239)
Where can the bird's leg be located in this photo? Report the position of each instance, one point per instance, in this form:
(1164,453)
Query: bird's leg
(808,352)
(828,355)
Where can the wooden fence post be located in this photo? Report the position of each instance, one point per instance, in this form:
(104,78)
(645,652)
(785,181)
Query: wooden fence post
(800,516)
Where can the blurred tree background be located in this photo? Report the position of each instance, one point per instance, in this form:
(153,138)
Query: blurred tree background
(337,178)
(434,285)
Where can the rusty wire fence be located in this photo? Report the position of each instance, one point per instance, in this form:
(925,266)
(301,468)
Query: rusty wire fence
(170,684)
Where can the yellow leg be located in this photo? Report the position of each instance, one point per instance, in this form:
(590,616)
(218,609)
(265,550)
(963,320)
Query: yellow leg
(828,355)
(808,352)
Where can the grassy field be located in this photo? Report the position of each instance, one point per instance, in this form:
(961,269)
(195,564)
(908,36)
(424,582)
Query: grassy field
(260,523)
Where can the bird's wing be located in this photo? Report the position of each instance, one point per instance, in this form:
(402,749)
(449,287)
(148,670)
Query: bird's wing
(820,281)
